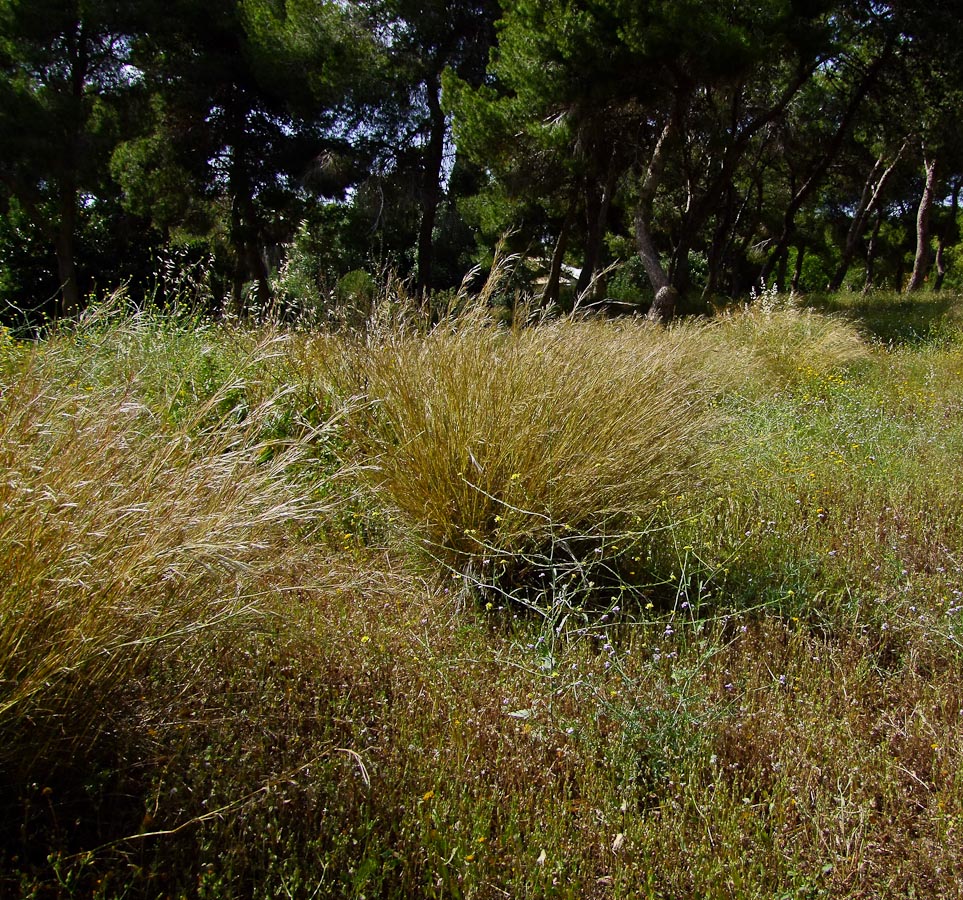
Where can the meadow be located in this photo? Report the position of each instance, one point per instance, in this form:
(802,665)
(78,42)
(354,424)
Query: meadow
(579,608)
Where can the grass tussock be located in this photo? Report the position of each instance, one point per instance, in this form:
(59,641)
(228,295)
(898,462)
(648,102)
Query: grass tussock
(122,538)
(775,340)
(492,443)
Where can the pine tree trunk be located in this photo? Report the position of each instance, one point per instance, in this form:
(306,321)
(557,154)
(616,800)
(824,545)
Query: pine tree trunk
(831,151)
(948,232)
(597,222)
(782,267)
(65,240)
(236,303)
(870,199)
(246,230)
(871,247)
(551,293)
(663,308)
(666,296)
(70,300)
(649,255)
(940,267)
(431,186)
(921,263)
(798,269)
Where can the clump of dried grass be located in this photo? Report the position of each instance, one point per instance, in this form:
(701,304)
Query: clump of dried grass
(493,443)
(777,342)
(122,537)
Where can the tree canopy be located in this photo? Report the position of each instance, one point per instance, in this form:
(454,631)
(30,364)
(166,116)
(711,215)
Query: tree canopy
(660,153)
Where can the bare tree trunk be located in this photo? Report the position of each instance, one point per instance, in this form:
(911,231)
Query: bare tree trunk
(721,241)
(246,229)
(798,269)
(258,267)
(664,304)
(249,262)
(551,293)
(665,296)
(598,217)
(870,282)
(70,300)
(940,264)
(700,206)
(832,149)
(651,261)
(922,262)
(724,244)
(949,232)
(860,214)
(64,239)
(781,268)
(236,304)
(431,185)
(872,194)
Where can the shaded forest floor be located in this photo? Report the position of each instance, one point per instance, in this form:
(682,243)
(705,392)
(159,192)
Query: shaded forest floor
(586,609)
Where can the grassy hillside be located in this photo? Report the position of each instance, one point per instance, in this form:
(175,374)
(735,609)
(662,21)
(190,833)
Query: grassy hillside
(586,609)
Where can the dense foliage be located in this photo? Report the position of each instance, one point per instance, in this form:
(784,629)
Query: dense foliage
(702,146)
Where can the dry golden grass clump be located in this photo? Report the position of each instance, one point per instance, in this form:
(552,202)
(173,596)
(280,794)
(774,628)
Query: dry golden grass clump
(296,711)
(491,443)
(780,342)
(120,538)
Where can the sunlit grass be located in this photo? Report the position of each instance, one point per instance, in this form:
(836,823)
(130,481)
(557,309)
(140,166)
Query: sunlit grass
(126,530)
(289,702)
(495,447)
